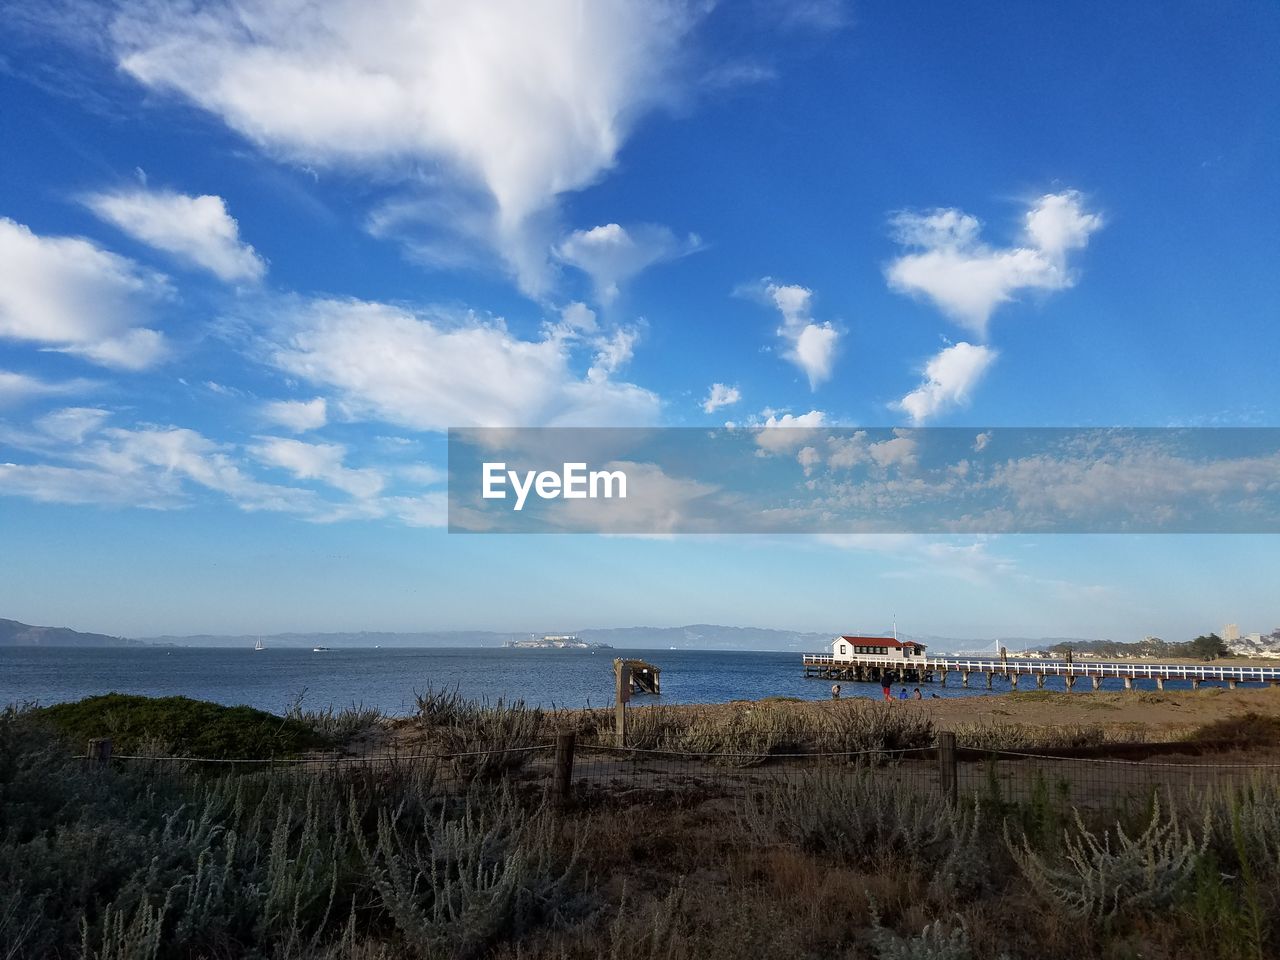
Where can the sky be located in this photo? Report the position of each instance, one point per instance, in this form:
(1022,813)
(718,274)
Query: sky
(256,259)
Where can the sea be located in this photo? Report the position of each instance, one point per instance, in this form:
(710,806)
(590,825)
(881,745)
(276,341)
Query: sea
(388,678)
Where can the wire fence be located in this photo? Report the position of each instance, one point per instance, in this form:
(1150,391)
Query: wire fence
(585,773)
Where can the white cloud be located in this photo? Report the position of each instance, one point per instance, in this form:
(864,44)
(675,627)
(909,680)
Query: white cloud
(811,346)
(981,441)
(610,254)
(134,349)
(966,279)
(318,461)
(520,101)
(789,432)
(156,467)
(197,230)
(72,424)
(844,452)
(16,388)
(297,415)
(578,318)
(949,378)
(72,296)
(612,354)
(432,372)
(719,396)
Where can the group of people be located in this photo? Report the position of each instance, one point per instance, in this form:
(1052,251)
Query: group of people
(887,686)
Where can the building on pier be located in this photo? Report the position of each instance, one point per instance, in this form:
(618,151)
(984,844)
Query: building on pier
(847,649)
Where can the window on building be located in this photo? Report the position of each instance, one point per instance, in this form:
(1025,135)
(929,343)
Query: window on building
(842,649)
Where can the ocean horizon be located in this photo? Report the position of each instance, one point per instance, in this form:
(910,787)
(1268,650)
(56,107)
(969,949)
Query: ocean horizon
(387,678)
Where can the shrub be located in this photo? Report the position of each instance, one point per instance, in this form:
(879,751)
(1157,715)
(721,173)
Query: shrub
(439,706)
(936,941)
(188,727)
(336,726)
(455,885)
(1100,876)
(864,817)
(490,741)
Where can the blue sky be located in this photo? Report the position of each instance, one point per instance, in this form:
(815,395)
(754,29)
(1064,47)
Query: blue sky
(252,264)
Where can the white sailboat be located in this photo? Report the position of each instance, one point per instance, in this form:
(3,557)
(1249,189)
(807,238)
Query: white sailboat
(259,646)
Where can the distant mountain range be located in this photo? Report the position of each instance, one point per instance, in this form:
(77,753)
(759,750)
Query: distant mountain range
(15,634)
(698,636)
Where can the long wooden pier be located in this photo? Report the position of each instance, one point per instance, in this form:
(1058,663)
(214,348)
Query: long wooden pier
(926,669)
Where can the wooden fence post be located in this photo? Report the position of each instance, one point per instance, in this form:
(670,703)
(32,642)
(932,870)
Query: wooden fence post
(562,787)
(622,693)
(947,777)
(99,753)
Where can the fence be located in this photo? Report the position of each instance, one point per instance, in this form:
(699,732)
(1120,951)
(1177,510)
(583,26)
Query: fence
(569,771)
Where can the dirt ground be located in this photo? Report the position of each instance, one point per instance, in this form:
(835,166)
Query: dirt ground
(1173,712)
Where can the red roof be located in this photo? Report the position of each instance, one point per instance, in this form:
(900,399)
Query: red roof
(881,642)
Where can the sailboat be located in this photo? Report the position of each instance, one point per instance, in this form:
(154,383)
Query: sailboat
(259,645)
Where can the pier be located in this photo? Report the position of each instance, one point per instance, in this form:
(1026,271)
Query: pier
(942,669)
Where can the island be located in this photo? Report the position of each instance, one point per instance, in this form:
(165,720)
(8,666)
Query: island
(555,642)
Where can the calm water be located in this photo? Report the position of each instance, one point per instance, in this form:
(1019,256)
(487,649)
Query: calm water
(387,678)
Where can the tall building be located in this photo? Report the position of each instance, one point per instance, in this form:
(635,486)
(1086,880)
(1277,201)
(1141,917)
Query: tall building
(1231,632)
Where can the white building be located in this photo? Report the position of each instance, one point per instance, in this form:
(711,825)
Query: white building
(1231,632)
(845,649)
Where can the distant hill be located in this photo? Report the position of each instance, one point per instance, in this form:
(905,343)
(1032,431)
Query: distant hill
(15,634)
(696,636)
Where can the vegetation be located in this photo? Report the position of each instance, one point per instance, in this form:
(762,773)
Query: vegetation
(1209,646)
(1205,647)
(456,857)
(182,726)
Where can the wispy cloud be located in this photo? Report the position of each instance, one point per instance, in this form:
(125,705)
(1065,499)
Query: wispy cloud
(18,388)
(297,415)
(195,230)
(611,254)
(516,103)
(453,369)
(720,395)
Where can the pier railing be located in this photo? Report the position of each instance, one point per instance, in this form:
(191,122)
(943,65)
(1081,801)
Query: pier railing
(1057,668)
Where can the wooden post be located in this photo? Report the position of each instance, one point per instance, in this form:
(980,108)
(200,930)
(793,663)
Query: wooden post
(622,693)
(562,788)
(98,756)
(947,777)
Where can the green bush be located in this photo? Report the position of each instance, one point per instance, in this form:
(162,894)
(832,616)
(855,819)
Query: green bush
(187,727)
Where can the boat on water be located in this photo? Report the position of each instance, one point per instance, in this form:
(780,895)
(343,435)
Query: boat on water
(259,645)
(319,649)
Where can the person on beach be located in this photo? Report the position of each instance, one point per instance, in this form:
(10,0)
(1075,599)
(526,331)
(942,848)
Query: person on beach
(903,694)
(888,690)
(835,691)
(917,695)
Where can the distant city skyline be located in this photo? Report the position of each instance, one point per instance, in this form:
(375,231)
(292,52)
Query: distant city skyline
(253,265)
